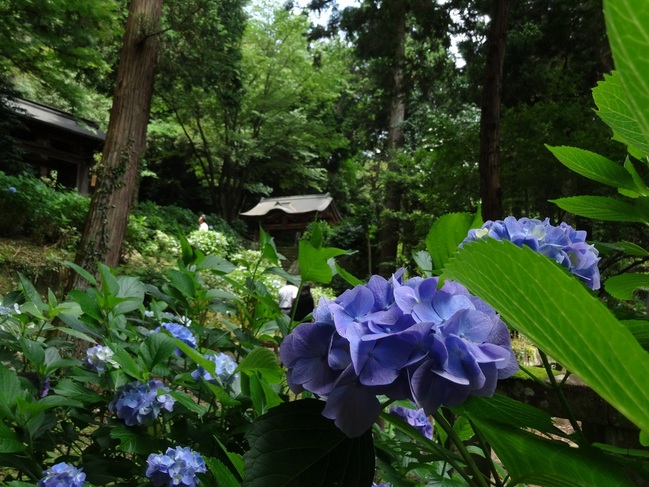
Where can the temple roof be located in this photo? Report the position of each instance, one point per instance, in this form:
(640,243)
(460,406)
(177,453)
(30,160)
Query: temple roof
(294,205)
(57,118)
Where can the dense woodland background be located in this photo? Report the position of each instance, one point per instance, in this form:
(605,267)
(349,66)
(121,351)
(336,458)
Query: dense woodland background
(398,108)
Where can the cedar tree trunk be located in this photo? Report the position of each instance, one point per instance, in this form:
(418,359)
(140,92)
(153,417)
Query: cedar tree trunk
(489,163)
(390,227)
(125,142)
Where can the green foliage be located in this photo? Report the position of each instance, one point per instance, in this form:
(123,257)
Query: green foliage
(274,442)
(57,48)
(40,212)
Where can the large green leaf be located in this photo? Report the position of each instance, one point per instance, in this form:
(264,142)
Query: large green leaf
(9,442)
(309,447)
(534,460)
(554,310)
(9,390)
(217,264)
(224,477)
(593,166)
(263,361)
(75,390)
(156,349)
(614,110)
(623,286)
(509,411)
(640,330)
(127,363)
(445,235)
(601,208)
(314,262)
(627,25)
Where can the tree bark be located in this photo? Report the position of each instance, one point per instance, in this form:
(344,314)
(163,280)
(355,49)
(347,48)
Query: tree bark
(489,162)
(125,142)
(390,226)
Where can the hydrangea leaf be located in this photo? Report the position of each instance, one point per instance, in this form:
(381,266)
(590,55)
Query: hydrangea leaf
(445,235)
(310,448)
(268,248)
(630,248)
(627,25)
(182,282)
(189,402)
(264,361)
(593,166)
(601,208)
(9,442)
(9,391)
(314,262)
(532,459)
(216,264)
(225,477)
(560,316)
(640,330)
(614,110)
(509,411)
(74,390)
(132,440)
(156,349)
(126,362)
(623,286)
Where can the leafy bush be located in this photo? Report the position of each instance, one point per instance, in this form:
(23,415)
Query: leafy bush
(211,242)
(28,207)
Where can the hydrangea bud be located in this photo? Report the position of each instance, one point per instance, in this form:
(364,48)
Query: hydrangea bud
(177,467)
(63,475)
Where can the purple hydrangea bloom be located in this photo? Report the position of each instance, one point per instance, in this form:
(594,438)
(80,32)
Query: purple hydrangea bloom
(181,332)
(63,475)
(98,358)
(224,369)
(404,340)
(177,467)
(137,403)
(563,244)
(416,418)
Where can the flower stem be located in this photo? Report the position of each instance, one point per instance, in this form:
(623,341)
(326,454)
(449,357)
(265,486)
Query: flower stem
(478,478)
(580,438)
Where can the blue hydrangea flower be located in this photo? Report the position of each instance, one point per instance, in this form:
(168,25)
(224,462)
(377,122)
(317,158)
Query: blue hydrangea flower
(562,243)
(63,475)
(177,467)
(225,367)
(11,189)
(45,388)
(98,358)
(416,418)
(405,340)
(181,332)
(138,404)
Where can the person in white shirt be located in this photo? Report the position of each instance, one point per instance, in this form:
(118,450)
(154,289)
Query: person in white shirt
(287,295)
(202,224)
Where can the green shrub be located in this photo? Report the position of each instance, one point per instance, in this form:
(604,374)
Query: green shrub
(30,208)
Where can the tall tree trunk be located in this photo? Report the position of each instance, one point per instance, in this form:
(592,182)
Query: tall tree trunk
(125,142)
(489,163)
(390,227)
